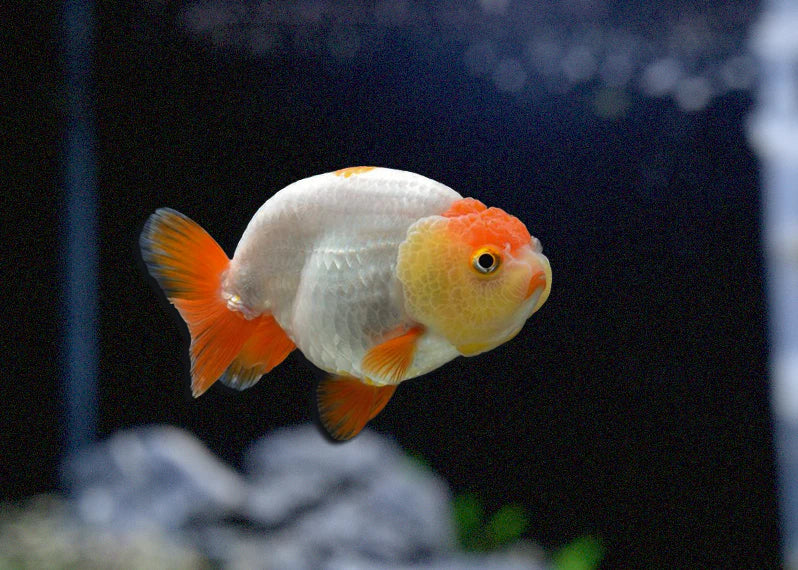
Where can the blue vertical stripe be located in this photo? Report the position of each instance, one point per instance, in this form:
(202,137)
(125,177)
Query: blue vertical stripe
(774,131)
(80,231)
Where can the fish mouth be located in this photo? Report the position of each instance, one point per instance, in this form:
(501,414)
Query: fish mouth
(540,282)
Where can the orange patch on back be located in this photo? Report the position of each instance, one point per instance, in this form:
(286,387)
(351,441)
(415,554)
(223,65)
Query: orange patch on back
(188,265)
(391,359)
(346,404)
(477,225)
(347,172)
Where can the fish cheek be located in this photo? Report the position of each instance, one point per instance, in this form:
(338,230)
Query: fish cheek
(431,277)
(491,310)
(444,292)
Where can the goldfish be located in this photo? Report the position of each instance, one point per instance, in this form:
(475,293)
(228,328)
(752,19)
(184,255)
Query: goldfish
(376,275)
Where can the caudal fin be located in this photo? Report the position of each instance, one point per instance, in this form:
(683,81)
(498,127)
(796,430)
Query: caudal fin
(188,265)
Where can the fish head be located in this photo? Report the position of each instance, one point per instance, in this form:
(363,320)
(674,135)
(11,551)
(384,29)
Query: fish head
(474,275)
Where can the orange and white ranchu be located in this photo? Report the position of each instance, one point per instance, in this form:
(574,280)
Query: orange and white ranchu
(376,275)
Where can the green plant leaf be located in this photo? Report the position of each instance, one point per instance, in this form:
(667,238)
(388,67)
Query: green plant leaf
(468,514)
(418,460)
(507,525)
(584,553)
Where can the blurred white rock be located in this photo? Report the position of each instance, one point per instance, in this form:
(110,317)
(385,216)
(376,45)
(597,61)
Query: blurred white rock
(302,502)
(153,476)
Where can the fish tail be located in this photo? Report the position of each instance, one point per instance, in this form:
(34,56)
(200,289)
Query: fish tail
(189,266)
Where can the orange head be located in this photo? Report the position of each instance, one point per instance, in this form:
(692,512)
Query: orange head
(474,275)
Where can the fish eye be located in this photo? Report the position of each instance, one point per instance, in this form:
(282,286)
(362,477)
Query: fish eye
(485,261)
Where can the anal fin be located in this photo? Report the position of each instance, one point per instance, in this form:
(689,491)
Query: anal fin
(346,404)
(266,347)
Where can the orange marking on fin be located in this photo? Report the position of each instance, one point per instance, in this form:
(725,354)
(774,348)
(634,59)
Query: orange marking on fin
(477,225)
(266,347)
(391,359)
(347,172)
(188,265)
(181,256)
(346,404)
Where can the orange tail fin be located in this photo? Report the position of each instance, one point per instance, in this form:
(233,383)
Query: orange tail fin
(188,265)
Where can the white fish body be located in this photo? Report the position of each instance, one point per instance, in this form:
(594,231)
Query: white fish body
(376,275)
(320,255)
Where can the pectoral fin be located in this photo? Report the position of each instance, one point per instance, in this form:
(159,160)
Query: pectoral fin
(391,359)
(346,404)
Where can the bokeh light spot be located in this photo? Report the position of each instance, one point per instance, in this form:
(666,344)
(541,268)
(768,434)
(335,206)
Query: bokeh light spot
(494,6)
(610,103)
(660,77)
(480,58)
(509,75)
(693,93)
(579,64)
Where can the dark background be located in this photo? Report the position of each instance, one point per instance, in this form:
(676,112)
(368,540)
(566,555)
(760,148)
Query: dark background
(633,406)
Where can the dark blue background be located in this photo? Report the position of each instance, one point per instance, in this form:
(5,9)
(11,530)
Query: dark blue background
(633,406)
